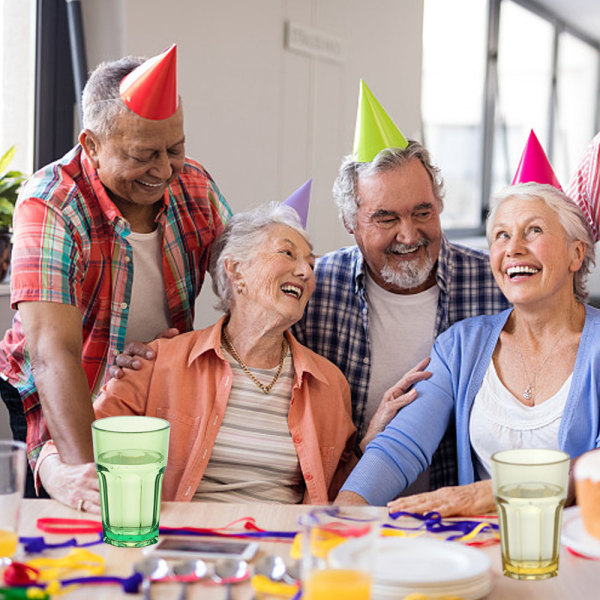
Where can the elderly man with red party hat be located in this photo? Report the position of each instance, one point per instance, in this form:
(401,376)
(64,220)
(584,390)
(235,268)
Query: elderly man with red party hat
(111,244)
(523,378)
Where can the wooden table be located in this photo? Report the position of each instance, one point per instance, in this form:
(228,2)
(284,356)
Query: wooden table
(578,579)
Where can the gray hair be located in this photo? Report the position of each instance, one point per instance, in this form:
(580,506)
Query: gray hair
(101,101)
(571,218)
(344,188)
(240,241)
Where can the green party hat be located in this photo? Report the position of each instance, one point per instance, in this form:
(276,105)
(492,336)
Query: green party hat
(374,128)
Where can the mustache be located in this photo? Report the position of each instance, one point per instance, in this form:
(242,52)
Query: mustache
(403,248)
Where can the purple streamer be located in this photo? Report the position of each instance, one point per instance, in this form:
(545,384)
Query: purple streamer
(434,523)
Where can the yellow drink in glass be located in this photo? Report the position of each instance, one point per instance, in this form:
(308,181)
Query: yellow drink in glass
(8,543)
(338,584)
(13,466)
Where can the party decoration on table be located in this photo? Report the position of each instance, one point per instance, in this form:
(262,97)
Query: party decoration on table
(374,129)
(534,166)
(51,575)
(273,577)
(150,90)
(34,545)
(30,593)
(264,585)
(467,529)
(300,201)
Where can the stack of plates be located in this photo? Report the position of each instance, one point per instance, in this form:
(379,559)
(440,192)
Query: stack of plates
(422,565)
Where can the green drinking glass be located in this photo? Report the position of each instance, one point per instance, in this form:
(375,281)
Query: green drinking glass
(131,455)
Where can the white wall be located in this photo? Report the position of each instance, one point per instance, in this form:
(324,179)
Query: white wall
(263,119)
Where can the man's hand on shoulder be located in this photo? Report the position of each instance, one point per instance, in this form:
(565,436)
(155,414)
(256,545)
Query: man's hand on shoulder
(135,352)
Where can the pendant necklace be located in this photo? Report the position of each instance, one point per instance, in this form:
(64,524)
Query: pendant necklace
(529,391)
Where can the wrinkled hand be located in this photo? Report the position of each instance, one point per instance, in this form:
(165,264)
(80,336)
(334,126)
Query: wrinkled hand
(71,483)
(395,398)
(460,501)
(133,351)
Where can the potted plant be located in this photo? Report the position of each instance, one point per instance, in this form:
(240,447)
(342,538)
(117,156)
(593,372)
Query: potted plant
(10,182)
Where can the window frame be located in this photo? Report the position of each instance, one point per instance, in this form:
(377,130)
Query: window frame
(559,26)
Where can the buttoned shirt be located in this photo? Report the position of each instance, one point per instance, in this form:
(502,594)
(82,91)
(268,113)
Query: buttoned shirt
(336,322)
(189,384)
(70,246)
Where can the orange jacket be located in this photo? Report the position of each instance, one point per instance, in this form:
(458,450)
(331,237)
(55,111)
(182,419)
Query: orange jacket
(188,384)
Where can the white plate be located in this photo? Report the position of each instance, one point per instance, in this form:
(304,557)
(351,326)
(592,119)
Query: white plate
(418,561)
(464,592)
(575,536)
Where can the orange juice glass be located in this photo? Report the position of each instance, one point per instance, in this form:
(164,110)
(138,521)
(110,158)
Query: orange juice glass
(338,544)
(338,584)
(12,482)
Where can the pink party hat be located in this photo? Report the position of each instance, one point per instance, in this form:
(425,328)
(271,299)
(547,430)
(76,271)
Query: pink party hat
(534,165)
(150,90)
(300,200)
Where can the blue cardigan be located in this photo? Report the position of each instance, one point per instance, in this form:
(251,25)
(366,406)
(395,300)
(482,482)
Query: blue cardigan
(459,360)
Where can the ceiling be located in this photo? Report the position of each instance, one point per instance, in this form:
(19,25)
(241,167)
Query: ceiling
(582,14)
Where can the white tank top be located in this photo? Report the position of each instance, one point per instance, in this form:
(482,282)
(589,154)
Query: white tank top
(148,309)
(500,422)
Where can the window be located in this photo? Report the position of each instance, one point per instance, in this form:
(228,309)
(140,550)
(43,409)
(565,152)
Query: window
(577,71)
(452,101)
(17,73)
(492,71)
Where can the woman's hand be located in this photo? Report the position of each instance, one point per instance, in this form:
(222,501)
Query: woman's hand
(73,485)
(133,351)
(460,501)
(395,398)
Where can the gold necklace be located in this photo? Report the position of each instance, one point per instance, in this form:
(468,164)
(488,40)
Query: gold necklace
(265,388)
(529,391)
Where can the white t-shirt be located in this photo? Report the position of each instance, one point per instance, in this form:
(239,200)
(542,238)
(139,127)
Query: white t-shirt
(148,309)
(401,333)
(499,421)
(401,328)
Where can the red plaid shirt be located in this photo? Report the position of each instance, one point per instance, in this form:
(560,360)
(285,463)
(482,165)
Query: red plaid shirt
(70,246)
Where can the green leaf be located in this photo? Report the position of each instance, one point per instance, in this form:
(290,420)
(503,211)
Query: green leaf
(6,158)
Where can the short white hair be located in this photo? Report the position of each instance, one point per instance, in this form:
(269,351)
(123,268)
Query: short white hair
(241,240)
(571,218)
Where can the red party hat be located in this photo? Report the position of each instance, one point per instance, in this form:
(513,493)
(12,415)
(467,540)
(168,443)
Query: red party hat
(150,90)
(534,165)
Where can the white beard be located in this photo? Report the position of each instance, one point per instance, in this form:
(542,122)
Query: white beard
(408,275)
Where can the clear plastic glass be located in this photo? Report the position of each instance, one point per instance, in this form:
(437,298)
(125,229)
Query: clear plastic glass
(530,490)
(131,456)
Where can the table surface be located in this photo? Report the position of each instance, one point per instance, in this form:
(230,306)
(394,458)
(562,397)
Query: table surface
(578,578)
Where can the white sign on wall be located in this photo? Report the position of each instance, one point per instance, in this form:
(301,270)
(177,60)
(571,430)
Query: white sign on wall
(314,42)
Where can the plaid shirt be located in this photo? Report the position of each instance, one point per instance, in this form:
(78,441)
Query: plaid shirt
(336,323)
(70,246)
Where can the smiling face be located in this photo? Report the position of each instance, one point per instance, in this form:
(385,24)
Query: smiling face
(278,278)
(138,161)
(398,228)
(531,258)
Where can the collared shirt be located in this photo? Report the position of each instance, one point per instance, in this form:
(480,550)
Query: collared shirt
(189,383)
(584,186)
(336,322)
(70,246)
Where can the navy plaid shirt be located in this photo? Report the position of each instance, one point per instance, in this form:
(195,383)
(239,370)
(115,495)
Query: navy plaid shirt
(336,323)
